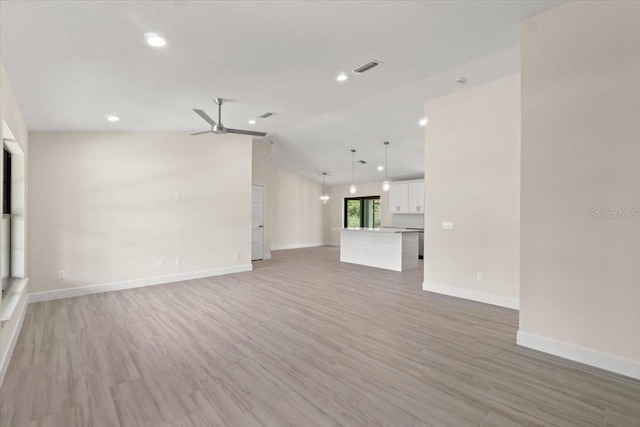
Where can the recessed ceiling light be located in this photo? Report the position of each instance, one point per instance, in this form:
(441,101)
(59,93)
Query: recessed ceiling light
(381,168)
(154,40)
(423,122)
(342,77)
(112,118)
(252,122)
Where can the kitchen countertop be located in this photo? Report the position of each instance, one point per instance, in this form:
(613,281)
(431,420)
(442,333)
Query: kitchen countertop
(383,230)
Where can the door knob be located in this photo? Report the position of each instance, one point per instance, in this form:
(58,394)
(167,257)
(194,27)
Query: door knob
(261,226)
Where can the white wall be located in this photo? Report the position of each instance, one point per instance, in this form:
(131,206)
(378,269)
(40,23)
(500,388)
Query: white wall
(10,114)
(472,151)
(298,217)
(103,206)
(261,175)
(580,292)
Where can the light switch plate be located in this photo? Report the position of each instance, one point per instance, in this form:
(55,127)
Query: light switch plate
(447,225)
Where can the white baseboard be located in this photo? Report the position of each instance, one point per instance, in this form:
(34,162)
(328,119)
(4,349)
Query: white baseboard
(6,357)
(472,295)
(266,257)
(599,359)
(136,283)
(296,246)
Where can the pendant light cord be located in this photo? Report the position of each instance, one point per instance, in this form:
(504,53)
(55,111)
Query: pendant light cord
(353,165)
(324,183)
(386,157)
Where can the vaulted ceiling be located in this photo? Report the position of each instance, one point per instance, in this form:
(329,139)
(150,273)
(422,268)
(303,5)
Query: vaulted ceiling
(72,63)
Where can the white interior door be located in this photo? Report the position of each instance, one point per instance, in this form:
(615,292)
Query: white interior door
(257,222)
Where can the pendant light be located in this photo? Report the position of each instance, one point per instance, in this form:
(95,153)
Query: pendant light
(386,184)
(352,189)
(325,197)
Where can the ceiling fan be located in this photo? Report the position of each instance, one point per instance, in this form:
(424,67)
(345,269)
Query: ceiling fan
(218,128)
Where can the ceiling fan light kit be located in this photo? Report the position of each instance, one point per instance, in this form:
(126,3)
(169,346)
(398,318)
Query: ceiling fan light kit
(218,127)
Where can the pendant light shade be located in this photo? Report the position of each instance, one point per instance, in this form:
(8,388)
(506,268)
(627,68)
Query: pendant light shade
(352,189)
(324,198)
(386,185)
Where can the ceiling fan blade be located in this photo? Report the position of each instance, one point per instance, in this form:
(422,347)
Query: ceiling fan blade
(246,132)
(205,116)
(200,133)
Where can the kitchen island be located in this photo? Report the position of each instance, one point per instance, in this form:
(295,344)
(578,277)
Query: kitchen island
(389,248)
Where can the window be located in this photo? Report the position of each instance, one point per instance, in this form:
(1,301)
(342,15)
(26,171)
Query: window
(362,212)
(6,184)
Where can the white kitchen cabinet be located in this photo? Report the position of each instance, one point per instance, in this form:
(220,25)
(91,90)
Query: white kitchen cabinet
(399,197)
(416,197)
(406,197)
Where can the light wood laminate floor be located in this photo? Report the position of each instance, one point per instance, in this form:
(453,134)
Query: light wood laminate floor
(303,340)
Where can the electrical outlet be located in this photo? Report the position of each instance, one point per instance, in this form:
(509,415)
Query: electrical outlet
(479,277)
(62,275)
(178,261)
(159,263)
(447,225)
(177,197)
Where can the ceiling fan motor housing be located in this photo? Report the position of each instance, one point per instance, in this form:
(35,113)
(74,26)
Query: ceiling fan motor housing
(219,129)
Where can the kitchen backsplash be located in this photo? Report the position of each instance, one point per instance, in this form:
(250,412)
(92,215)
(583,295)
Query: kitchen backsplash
(407,220)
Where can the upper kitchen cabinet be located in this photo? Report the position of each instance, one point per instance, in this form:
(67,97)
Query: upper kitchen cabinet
(399,197)
(416,197)
(406,197)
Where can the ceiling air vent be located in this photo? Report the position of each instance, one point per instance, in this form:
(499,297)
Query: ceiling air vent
(265,115)
(366,67)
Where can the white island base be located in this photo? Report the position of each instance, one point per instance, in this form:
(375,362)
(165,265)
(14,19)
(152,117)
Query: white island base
(388,248)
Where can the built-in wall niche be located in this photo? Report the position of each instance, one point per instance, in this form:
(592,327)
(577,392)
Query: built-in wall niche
(12,234)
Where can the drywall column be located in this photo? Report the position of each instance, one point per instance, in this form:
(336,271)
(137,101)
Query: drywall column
(472,179)
(580,269)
